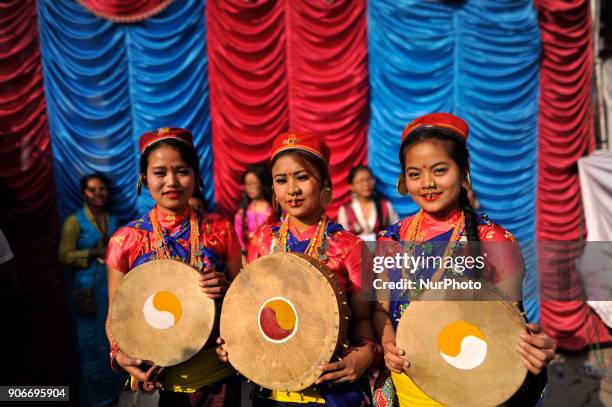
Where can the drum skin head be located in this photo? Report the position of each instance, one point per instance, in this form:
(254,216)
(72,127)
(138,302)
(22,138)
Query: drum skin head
(160,314)
(282,316)
(461,345)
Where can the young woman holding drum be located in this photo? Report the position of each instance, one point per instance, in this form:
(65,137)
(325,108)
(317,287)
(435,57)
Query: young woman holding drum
(169,168)
(435,173)
(302,189)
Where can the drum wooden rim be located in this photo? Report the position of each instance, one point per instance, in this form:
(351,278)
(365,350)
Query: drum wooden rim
(165,338)
(493,364)
(256,356)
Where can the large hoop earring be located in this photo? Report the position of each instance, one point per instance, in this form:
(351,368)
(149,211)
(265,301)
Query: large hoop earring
(139,184)
(325,197)
(401,185)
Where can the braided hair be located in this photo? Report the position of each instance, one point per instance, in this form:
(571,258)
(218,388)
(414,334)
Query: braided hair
(457,150)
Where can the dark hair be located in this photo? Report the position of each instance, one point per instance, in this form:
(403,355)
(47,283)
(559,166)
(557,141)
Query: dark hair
(262,172)
(457,150)
(353,172)
(197,193)
(96,175)
(187,153)
(382,222)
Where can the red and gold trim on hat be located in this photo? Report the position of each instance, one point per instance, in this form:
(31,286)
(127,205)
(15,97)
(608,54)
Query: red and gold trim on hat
(438,120)
(165,133)
(298,141)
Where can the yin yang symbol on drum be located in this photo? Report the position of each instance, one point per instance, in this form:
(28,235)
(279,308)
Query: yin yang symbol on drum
(278,320)
(462,345)
(162,310)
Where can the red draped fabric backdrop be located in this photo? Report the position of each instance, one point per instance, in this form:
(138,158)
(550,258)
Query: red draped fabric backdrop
(125,11)
(286,65)
(566,134)
(31,226)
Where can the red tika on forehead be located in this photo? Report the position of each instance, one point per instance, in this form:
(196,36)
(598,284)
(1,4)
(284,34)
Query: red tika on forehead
(438,120)
(165,133)
(300,141)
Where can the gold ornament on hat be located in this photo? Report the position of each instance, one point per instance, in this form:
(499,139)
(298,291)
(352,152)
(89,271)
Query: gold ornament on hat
(292,140)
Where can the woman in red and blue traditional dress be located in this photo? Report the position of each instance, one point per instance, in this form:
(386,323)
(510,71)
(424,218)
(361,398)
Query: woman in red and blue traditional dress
(169,168)
(302,188)
(435,173)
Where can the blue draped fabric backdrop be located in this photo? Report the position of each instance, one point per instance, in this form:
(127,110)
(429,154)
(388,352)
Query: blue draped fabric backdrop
(108,83)
(480,60)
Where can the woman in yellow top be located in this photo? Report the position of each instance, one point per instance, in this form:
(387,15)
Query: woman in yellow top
(207,242)
(435,173)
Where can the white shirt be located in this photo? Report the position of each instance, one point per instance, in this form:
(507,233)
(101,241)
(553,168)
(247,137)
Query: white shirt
(367,225)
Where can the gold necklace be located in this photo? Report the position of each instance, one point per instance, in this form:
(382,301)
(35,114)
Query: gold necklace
(162,251)
(411,237)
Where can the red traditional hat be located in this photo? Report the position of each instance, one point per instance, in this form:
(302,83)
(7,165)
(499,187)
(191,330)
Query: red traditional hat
(438,120)
(300,141)
(165,133)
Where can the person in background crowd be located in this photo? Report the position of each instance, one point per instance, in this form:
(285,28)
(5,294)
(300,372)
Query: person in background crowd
(198,203)
(255,207)
(83,245)
(368,213)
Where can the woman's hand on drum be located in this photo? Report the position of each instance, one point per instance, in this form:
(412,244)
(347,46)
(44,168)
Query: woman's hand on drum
(350,368)
(221,354)
(132,366)
(536,348)
(394,358)
(213,283)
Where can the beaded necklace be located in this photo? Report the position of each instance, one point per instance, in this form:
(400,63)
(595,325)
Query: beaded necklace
(317,247)
(412,237)
(162,251)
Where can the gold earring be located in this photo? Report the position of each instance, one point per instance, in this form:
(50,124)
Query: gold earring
(275,204)
(139,184)
(325,197)
(401,185)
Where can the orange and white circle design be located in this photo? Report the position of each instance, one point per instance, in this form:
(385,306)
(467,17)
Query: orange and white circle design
(162,310)
(462,345)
